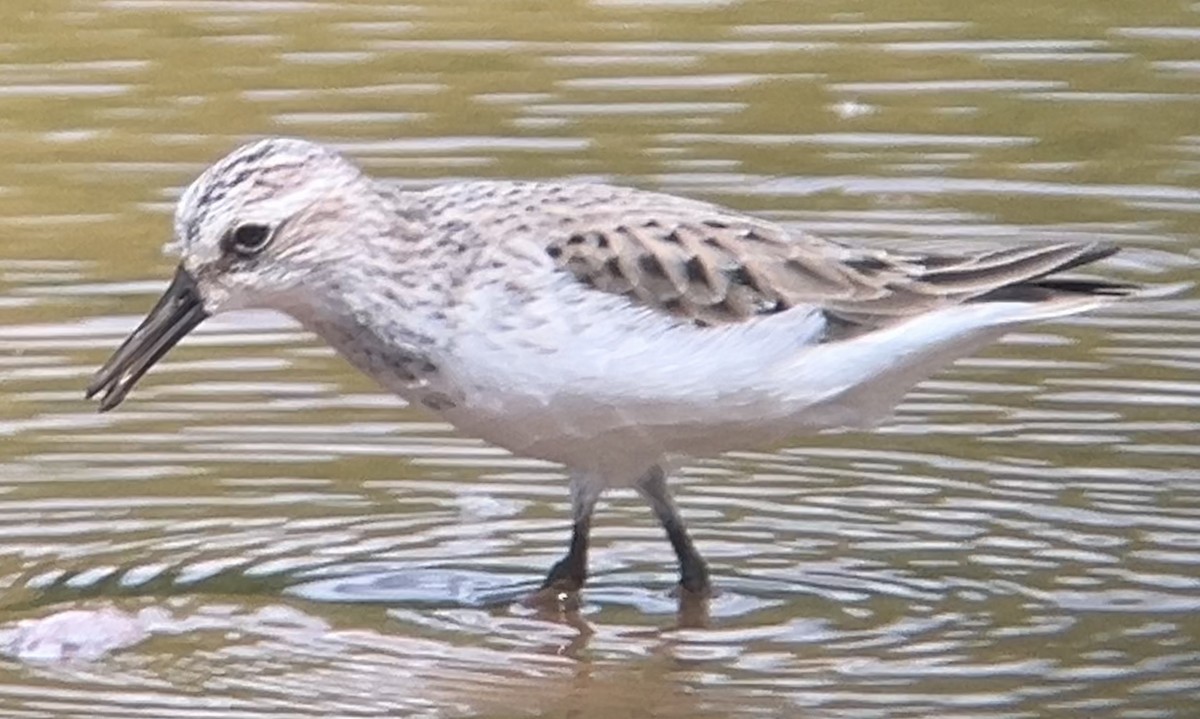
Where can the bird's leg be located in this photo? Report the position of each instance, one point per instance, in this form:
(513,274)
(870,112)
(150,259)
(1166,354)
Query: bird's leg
(693,572)
(570,572)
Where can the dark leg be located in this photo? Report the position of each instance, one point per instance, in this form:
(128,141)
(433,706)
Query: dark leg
(693,572)
(570,572)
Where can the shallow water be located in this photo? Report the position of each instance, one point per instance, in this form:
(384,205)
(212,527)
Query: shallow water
(260,531)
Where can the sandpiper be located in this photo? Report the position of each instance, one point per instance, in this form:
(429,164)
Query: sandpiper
(610,329)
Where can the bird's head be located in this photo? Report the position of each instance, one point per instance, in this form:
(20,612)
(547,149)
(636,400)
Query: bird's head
(251,231)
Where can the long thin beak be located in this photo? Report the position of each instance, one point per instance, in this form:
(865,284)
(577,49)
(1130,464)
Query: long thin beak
(178,311)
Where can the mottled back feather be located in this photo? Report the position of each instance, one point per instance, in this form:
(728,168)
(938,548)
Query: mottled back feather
(730,268)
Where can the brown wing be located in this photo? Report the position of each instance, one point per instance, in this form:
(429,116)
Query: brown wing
(728,268)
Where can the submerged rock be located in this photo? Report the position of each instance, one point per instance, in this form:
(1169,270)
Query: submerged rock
(76,634)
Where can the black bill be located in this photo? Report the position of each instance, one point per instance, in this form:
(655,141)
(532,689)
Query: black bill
(177,312)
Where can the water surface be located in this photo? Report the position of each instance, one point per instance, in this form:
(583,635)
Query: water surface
(260,531)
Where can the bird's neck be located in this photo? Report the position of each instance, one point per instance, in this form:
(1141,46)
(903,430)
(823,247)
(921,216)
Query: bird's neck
(385,305)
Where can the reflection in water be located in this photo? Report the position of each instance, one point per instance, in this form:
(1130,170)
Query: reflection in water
(269,534)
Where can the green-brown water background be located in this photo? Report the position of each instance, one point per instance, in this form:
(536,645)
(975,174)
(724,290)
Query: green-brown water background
(1023,540)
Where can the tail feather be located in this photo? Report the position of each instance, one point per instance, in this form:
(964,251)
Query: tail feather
(1053,288)
(988,270)
(918,284)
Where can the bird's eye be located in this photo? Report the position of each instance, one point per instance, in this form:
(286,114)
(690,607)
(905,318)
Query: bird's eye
(247,240)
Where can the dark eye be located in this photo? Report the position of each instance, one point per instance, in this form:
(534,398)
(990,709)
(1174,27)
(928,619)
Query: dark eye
(248,239)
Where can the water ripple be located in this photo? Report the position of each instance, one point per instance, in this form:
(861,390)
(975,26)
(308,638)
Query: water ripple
(259,531)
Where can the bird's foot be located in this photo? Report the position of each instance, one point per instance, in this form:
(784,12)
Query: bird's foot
(558,596)
(693,593)
(693,604)
(694,581)
(560,590)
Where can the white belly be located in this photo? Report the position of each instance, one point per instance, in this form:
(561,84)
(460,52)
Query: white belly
(597,383)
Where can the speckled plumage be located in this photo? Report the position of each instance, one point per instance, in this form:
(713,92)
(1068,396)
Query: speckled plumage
(606,328)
